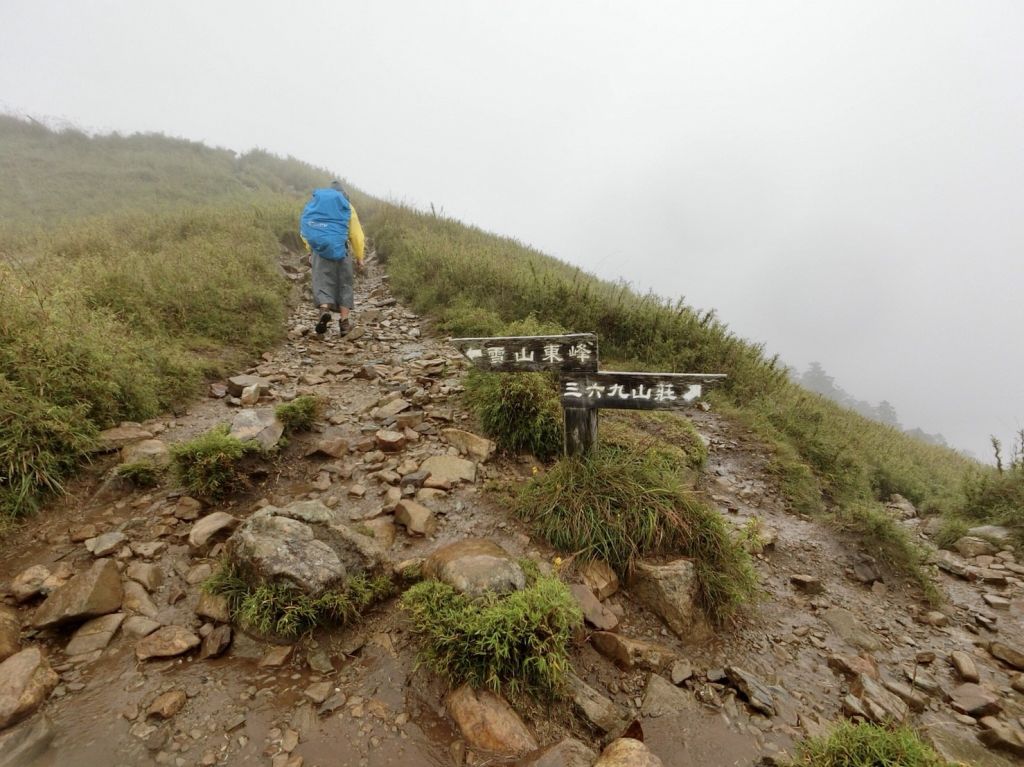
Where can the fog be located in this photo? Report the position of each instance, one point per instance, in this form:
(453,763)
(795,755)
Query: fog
(840,180)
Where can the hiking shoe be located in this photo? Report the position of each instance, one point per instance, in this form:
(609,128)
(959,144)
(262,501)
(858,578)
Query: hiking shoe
(344,326)
(321,326)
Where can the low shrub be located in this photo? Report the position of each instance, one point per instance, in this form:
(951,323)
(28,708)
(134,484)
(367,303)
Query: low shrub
(300,414)
(620,504)
(867,745)
(211,464)
(280,610)
(139,473)
(517,643)
(519,411)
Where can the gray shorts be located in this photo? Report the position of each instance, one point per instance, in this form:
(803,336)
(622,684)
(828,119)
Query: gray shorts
(332,283)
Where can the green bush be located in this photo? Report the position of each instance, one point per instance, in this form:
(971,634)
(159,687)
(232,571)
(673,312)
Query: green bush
(517,643)
(519,411)
(139,473)
(867,745)
(620,504)
(280,610)
(211,464)
(300,414)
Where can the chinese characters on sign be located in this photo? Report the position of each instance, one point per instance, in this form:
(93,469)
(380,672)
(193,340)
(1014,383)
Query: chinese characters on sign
(575,353)
(635,391)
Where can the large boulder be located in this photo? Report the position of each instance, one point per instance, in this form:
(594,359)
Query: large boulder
(488,722)
(26,680)
(259,426)
(670,592)
(238,384)
(994,534)
(90,594)
(211,529)
(475,566)
(969,546)
(166,642)
(302,545)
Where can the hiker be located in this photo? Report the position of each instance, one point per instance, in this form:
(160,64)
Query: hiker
(330,228)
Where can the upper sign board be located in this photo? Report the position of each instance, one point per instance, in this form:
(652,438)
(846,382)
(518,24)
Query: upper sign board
(635,391)
(573,353)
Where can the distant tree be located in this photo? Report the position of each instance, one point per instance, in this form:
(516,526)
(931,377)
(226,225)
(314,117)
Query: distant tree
(886,413)
(817,380)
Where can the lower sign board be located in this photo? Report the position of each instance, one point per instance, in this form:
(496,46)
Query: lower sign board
(576,352)
(635,391)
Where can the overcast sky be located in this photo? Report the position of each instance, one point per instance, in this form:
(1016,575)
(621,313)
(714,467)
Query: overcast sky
(841,180)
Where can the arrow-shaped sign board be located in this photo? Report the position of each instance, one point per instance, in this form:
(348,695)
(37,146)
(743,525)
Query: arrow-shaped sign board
(635,391)
(573,353)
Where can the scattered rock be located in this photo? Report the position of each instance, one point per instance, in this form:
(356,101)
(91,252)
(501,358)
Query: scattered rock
(900,507)
(476,447)
(964,665)
(999,536)
(996,602)
(662,697)
(851,629)
(29,583)
(26,680)
(150,576)
(211,529)
(807,584)
(877,703)
(250,396)
(167,705)
(488,723)
(121,436)
(136,600)
(600,577)
(594,613)
(106,544)
(391,409)
(416,518)
(915,700)
(260,426)
(94,592)
(852,666)
(216,642)
(632,653)
(934,618)
(276,657)
(956,748)
(187,509)
(669,591)
(1001,735)
(866,571)
(95,634)
(475,566)
(334,447)
(1012,656)
(974,700)
(318,692)
(601,712)
(680,671)
(627,752)
(566,753)
(449,470)
(140,626)
(166,642)
(151,451)
(10,633)
(238,384)
(24,745)
(970,547)
(213,606)
(390,441)
(751,688)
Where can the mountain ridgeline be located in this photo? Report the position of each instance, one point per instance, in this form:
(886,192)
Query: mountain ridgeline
(135,267)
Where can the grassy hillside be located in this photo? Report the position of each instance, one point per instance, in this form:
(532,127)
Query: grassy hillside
(133,266)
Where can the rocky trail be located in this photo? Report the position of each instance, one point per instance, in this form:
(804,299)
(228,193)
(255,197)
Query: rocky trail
(115,656)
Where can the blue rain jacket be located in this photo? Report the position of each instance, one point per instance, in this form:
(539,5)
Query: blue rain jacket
(324,223)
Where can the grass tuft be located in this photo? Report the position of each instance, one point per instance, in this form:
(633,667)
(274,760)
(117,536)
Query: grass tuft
(300,414)
(622,504)
(517,643)
(867,745)
(281,610)
(140,473)
(211,464)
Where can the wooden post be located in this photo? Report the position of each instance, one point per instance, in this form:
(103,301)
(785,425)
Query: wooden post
(580,430)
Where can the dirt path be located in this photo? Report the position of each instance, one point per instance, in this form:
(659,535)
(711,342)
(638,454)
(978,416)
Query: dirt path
(238,710)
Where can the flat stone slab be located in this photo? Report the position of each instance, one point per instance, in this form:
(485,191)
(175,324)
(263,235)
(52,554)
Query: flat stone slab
(489,723)
(94,592)
(851,629)
(151,451)
(259,426)
(26,680)
(449,469)
(95,634)
(166,642)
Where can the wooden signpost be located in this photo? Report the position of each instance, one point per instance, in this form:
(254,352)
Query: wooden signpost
(584,389)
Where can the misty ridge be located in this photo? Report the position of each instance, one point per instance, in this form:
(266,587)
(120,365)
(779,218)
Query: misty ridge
(817,380)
